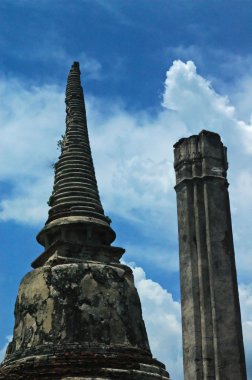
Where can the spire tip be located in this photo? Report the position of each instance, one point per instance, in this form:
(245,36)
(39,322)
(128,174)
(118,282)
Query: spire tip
(76,65)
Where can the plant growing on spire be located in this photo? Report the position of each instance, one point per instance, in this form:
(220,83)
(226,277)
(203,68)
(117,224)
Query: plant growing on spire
(61,142)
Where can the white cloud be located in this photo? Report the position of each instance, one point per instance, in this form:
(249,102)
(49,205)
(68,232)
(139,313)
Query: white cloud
(162,319)
(31,121)
(134,167)
(163,322)
(245,292)
(200,107)
(133,153)
(3,349)
(241,94)
(196,103)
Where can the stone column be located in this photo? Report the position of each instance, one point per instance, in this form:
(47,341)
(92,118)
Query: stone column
(211,320)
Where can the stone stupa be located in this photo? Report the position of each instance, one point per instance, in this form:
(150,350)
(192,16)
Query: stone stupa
(78,314)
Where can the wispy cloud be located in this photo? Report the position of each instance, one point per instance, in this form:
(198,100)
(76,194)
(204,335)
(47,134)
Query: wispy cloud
(159,309)
(133,152)
(31,121)
(133,159)
(3,349)
(57,56)
(115,9)
(245,292)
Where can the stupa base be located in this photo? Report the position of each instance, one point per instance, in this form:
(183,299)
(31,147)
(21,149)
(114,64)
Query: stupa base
(86,366)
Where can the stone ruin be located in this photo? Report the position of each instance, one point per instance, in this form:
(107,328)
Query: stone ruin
(78,314)
(211,319)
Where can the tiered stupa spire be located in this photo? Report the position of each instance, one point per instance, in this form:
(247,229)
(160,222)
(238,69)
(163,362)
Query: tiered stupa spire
(75,189)
(75,198)
(78,314)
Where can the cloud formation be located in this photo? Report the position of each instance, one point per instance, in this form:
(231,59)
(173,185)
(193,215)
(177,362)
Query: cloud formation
(133,152)
(160,311)
(133,157)
(31,120)
(3,349)
(245,293)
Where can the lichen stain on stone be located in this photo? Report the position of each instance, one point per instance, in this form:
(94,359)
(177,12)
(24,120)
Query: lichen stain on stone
(18,334)
(78,315)
(63,334)
(47,322)
(83,303)
(34,284)
(88,286)
(25,331)
(30,329)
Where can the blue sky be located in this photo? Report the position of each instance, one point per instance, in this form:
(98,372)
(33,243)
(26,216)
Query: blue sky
(153,72)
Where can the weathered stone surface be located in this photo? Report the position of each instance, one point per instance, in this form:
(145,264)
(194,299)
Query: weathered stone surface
(75,191)
(212,333)
(121,367)
(78,314)
(90,304)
